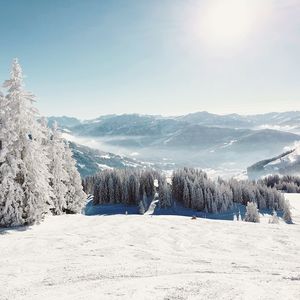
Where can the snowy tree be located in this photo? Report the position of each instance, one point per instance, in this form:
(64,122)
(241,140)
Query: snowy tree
(287,183)
(75,197)
(252,213)
(190,187)
(186,194)
(58,173)
(133,189)
(145,201)
(287,215)
(240,216)
(165,194)
(24,187)
(141,208)
(274,218)
(2,116)
(147,183)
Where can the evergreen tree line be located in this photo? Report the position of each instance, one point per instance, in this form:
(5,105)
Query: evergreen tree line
(287,183)
(128,186)
(38,174)
(195,190)
(191,187)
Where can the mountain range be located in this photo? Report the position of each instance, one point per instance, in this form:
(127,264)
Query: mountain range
(287,121)
(198,140)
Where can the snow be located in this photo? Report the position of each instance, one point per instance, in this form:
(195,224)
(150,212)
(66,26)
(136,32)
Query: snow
(287,128)
(228,144)
(104,167)
(294,200)
(134,154)
(151,257)
(129,164)
(230,171)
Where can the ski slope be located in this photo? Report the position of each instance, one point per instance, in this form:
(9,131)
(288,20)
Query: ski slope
(151,257)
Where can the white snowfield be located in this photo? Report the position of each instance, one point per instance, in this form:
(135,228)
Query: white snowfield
(151,257)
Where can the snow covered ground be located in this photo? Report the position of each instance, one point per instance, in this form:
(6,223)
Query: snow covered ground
(151,257)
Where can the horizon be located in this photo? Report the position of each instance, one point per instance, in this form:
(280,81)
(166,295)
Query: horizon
(174,116)
(93,58)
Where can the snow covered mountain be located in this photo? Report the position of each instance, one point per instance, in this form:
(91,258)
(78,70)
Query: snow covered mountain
(198,140)
(91,161)
(64,121)
(288,121)
(145,131)
(286,163)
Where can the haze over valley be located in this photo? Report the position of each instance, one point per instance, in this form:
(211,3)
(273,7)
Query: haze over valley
(225,143)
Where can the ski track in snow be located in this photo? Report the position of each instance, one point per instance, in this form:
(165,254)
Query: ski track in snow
(158,257)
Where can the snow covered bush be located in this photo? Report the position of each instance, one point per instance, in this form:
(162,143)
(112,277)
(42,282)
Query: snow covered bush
(252,213)
(287,215)
(274,218)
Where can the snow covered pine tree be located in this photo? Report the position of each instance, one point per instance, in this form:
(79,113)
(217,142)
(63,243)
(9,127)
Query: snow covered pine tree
(24,186)
(65,181)
(287,215)
(252,214)
(75,197)
(37,171)
(57,170)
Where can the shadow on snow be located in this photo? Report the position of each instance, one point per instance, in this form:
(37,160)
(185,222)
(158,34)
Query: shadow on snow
(175,210)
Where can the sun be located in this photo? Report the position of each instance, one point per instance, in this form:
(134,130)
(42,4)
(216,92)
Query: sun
(224,23)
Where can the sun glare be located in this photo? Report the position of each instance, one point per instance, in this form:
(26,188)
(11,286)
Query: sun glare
(227,23)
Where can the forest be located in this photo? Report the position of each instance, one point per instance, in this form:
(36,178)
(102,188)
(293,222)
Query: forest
(190,187)
(286,183)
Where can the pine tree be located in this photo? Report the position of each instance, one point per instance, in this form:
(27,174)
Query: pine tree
(141,208)
(287,215)
(58,173)
(186,195)
(145,201)
(239,216)
(274,218)
(24,187)
(75,197)
(165,194)
(252,214)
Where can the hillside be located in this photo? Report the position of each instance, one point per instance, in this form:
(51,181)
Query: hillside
(286,163)
(90,161)
(151,257)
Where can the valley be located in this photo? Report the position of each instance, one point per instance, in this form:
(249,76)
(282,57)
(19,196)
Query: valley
(223,143)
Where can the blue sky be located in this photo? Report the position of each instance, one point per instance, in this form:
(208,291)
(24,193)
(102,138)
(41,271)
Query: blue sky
(89,58)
